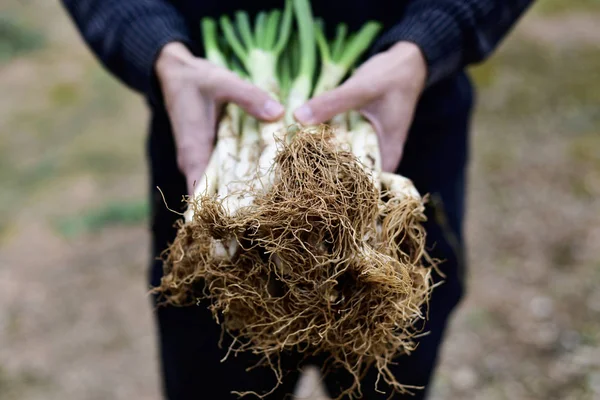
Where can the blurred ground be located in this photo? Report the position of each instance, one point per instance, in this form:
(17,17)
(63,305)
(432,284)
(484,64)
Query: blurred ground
(74,319)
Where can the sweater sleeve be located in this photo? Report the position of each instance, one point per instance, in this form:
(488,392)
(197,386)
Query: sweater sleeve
(127,35)
(454,33)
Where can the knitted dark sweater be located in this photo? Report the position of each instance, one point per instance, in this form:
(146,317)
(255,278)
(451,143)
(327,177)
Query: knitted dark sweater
(127,34)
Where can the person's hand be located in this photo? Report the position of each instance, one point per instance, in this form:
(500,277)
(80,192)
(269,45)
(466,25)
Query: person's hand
(385,89)
(194,91)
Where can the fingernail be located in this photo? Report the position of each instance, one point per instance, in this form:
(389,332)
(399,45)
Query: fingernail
(273,109)
(304,115)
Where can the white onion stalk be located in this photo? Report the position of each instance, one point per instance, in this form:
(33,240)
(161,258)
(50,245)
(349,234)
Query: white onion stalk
(365,146)
(220,168)
(302,84)
(220,171)
(246,167)
(399,187)
(299,91)
(341,127)
(339,56)
(208,183)
(260,55)
(227,148)
(259,52)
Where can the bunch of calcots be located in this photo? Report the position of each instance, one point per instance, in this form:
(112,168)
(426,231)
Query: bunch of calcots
(295,237)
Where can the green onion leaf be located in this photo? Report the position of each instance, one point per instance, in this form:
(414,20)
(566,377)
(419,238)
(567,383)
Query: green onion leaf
(359,43)
(211,46)
(259,29)
(285,29)
(322,42)
(339,42)
(305,23)
(233,40)
(243,24)
(271,31)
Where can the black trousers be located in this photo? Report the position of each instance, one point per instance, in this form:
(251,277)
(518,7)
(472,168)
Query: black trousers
(435,159)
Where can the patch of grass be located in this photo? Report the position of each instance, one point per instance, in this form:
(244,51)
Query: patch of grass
(64,94)
(28,176)
(484,75)
(107,93)
(42,171)
(19,182)
(114,213)
(4,225)
(584,149)
(13,324)
(583,152)
(562,6)
(563,253)
(581,189)
(12,385)
(531,79)
(101,162)
(479,318)
(16,38)
(496,159)
(80,130)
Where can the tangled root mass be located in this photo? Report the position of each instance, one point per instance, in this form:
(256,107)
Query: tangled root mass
(321,263)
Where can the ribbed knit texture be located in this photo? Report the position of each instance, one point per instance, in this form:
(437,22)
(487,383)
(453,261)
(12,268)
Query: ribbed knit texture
(454,33)
(128,34)
(437,34)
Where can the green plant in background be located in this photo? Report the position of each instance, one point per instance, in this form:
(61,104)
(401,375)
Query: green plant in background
(561,6)
(114,213)
(17,38)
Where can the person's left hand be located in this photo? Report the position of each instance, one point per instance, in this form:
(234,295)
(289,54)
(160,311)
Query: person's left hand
(385,89)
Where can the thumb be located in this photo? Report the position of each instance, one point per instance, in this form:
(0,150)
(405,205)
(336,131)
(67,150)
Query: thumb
(349,96)
(255,101)
(192,159)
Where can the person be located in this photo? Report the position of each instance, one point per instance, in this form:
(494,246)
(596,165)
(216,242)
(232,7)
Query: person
(413,89)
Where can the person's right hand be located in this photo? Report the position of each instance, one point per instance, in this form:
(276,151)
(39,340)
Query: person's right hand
(194,91)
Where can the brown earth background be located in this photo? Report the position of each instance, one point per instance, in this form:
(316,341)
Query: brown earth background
(75,322)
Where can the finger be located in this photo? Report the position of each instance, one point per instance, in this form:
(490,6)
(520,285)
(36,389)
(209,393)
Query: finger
(195,181)
(255,101)
(352,95)
(194,133)
(391,155)
(390,150)
(192,161)
(392,125)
